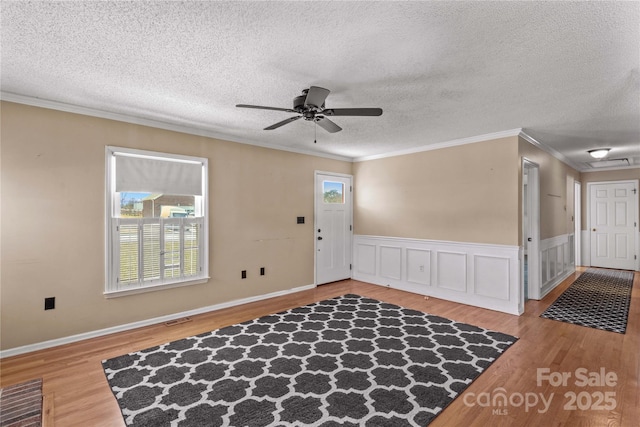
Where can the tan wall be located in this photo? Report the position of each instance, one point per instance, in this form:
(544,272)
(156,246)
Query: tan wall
(52,198)
(466,193)
(556,191)
(52,232)
(602,176)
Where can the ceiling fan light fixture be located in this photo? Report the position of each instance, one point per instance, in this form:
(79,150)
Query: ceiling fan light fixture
(599,153)
(310,106)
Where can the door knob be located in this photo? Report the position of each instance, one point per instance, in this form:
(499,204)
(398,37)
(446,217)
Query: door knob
(319,238)
(594,229)
(529,239)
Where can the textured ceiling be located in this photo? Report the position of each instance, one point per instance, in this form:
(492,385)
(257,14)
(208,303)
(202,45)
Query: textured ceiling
(567,73)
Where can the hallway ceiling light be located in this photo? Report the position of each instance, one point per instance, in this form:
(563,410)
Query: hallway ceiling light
(599,153)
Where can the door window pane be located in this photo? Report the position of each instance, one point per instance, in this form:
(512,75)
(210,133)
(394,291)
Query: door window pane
(333,192)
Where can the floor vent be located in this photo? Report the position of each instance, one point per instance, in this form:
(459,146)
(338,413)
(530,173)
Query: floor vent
(177,321)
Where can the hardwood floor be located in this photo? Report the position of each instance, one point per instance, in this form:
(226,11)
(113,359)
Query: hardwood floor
(77,394)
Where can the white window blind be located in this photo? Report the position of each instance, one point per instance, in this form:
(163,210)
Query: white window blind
(156,250)
(163,176)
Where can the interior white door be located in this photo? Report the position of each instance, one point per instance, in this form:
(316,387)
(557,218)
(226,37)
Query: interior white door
(612,224)
(333,227)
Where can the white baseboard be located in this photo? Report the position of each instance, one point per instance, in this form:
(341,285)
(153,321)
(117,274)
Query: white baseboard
(482,275)
(93,334)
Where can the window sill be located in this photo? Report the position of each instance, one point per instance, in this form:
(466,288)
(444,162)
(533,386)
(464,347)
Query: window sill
(153,288)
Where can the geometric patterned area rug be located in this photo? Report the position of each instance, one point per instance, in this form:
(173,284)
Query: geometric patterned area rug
(347,361)
(598,299)
(21,404)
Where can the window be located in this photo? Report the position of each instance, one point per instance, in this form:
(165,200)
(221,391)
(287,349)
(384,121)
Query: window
(156,221)
(333,192)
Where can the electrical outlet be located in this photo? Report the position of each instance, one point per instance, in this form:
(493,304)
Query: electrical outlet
(262,271)
(50,303)
(244,274)
(300,220)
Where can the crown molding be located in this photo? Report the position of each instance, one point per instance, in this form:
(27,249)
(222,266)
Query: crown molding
(194,130)
(531,140)
(440,145)
(191,130)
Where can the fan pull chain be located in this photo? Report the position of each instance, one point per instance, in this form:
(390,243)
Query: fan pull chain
(315,132)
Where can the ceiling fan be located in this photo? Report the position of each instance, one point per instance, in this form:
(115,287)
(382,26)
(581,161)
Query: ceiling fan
(310,106)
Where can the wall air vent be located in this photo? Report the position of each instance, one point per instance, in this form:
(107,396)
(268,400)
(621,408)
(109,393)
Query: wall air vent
(613,163)
(177,321)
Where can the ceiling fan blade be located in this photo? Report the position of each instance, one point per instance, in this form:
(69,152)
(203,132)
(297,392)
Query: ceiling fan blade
(352,112)
(316,96)
(259,107)
(327,124)
(282,123)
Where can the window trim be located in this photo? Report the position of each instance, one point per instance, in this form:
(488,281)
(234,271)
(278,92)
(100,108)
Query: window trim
(112,204)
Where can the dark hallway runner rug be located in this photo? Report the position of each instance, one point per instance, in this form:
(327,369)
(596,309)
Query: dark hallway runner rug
(347,361)
(598,299)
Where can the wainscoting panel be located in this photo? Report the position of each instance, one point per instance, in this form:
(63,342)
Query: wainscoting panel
(391,262)
(419,266)
(481,275)
(365,259)
(557,261)
(452,270)
(552,257)
(489,271)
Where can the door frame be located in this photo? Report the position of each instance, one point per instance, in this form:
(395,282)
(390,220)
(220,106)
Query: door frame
(636,219)
(577,222)
(315,218)
(533,191)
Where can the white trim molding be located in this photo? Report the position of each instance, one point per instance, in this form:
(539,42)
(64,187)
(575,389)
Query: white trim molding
(446,144)
(126,327)
(190,129)
(199,130)
(557,261)
(482,275)
(564,159)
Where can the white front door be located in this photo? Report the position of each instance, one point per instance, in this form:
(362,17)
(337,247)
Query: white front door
(333,227)
(613,224)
